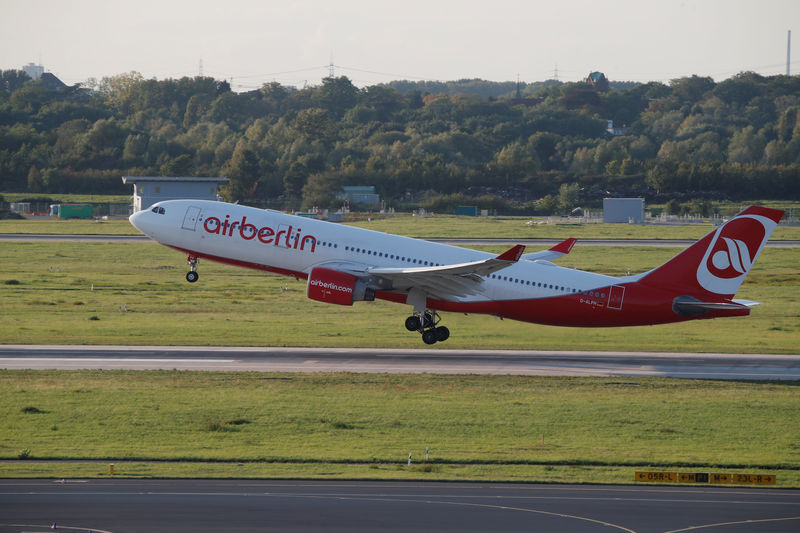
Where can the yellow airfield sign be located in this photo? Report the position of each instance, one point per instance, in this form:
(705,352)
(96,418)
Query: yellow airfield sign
(663,477)
(754,479)
(692,477)
(704,477)
(721,478)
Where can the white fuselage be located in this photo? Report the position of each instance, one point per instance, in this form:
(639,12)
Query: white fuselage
(294,245)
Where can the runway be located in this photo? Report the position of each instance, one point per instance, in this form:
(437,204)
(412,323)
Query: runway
(290,506)
(434,361)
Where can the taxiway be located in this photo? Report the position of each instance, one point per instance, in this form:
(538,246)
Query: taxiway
(254,505)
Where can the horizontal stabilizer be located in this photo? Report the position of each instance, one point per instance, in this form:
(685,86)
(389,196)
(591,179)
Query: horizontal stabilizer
(747,303)
(691,306)
(560,249)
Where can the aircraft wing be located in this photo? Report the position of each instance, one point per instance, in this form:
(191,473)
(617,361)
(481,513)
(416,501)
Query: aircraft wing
(443,282)
(448,281)
(560,249)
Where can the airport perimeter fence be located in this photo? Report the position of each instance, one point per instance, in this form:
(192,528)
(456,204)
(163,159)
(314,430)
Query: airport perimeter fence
(99,209)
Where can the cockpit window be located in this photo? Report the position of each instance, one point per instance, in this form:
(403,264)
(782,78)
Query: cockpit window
(158,210)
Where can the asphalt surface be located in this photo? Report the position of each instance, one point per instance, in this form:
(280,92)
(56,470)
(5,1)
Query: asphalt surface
(436,361)
(674,243)
(293,506)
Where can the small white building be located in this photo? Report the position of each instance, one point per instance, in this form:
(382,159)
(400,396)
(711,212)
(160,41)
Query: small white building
(623,210)
(149,190)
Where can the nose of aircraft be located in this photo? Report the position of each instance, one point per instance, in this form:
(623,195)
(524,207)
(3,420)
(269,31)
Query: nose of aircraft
(139,221)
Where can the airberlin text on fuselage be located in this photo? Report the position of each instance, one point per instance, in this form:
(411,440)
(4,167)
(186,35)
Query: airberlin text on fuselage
(266,235)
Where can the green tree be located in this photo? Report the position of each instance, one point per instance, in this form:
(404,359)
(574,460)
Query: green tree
(243,172)
(11,80)
(692,88)
(134,149)
(35,181)
(295,179)
(673,207)
(181,166)
(197,106)
(568,196)
(29,99)
(336,95)
(120,90)
(105,134)
(322,191)
(746,146)
(314,123)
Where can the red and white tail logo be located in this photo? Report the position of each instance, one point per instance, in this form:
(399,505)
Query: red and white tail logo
(717,264)
(733,249)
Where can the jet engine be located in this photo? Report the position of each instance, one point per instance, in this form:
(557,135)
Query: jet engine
(336,287)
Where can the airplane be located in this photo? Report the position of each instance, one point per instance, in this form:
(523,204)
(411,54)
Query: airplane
(344,264)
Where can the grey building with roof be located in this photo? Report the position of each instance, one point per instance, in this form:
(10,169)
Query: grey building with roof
(148,190)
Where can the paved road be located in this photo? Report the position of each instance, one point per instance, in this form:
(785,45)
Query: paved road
(673,243)
(290,506)
(35,237)
(437,361)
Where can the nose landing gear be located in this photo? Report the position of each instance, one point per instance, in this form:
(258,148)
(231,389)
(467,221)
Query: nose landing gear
(426,324)
(192,275)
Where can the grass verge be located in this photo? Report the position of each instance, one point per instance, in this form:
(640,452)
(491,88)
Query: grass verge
(386,472)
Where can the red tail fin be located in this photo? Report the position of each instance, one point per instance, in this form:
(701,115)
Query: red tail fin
(717,264)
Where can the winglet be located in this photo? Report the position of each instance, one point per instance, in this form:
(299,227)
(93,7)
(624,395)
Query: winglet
(564,247)
(513,254)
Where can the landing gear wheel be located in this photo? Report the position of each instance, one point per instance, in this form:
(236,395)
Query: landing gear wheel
(426,323)
(413,323)
(192,275)
(429,336)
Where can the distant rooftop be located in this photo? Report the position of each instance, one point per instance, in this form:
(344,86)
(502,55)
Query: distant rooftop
(144,179)
(359,189)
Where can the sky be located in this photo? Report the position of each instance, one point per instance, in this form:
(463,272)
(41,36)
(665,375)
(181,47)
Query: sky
(251,42)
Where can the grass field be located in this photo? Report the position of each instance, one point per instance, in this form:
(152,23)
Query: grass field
(184,424)
(135,294)
(439,226)
(365,425)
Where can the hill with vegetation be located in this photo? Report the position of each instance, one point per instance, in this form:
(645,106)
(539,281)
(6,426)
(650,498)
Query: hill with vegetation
(418,143)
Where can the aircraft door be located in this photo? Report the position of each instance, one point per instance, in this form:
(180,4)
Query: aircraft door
(191,217)
(615,295)
(283,236)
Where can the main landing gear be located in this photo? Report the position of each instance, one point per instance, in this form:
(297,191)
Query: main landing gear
(426,323)
(192,275)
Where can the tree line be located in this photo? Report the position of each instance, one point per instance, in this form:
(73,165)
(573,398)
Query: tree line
(418,143)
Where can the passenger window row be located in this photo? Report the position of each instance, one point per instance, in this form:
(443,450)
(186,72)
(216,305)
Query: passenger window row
(387,255)
(510,279)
